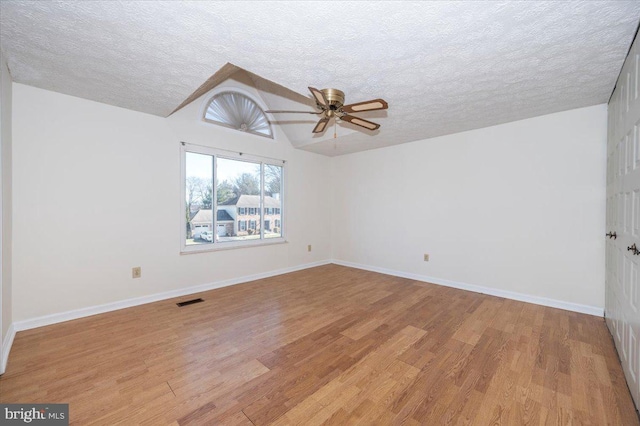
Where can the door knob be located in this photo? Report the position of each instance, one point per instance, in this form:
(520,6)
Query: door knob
(612,235)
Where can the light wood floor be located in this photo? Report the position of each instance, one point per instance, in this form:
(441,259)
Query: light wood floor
(326,345)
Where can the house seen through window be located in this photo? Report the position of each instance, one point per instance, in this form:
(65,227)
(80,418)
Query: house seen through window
(245,194)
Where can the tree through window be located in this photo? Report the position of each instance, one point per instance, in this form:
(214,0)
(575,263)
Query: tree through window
(244,192)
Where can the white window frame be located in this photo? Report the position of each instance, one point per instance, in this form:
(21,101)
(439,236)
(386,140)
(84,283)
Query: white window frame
(216,246)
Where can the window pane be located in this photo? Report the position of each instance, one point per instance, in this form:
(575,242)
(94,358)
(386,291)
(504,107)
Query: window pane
(237,111)
(272,201)
(198,191)
(238,196)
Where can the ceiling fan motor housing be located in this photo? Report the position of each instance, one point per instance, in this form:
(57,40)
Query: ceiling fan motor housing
(334,97)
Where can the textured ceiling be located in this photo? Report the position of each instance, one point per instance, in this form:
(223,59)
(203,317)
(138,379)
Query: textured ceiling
(444,67)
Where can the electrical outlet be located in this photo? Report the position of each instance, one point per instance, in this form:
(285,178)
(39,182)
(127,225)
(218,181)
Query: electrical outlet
(136,272)
(426,257)
(309,247)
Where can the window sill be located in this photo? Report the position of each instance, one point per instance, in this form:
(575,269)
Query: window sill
(203,248)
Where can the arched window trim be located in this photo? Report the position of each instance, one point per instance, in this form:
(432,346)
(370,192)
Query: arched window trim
(251,98)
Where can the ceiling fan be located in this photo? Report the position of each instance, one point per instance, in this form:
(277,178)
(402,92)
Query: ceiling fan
(330,102)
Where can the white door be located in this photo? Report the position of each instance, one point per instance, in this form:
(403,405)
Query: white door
(622,307)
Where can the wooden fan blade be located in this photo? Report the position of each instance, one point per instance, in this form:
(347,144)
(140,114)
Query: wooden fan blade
(322,124)
(360,122)
(292,112)
(372,105)
(319,97)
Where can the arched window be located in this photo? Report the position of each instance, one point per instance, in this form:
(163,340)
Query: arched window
(235,110)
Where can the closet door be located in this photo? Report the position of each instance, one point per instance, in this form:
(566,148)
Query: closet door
(622,308)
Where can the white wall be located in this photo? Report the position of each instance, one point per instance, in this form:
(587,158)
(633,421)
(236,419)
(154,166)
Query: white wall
(97,192)
(5,202)
(518,207)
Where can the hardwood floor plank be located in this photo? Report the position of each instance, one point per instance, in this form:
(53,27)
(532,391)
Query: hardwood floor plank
(327,345)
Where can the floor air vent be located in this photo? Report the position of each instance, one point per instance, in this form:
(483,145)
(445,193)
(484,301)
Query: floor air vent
(189,302)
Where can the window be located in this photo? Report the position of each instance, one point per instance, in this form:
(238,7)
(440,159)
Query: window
(233,186)
(237,111)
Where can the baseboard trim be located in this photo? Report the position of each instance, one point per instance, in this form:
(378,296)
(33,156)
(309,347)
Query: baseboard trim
(6,348)
(128,303)
(537,300)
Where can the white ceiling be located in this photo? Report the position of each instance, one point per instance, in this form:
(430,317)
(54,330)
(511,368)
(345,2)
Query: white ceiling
(444,67)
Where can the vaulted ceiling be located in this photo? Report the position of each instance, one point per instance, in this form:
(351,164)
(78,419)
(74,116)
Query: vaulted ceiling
(443,67)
